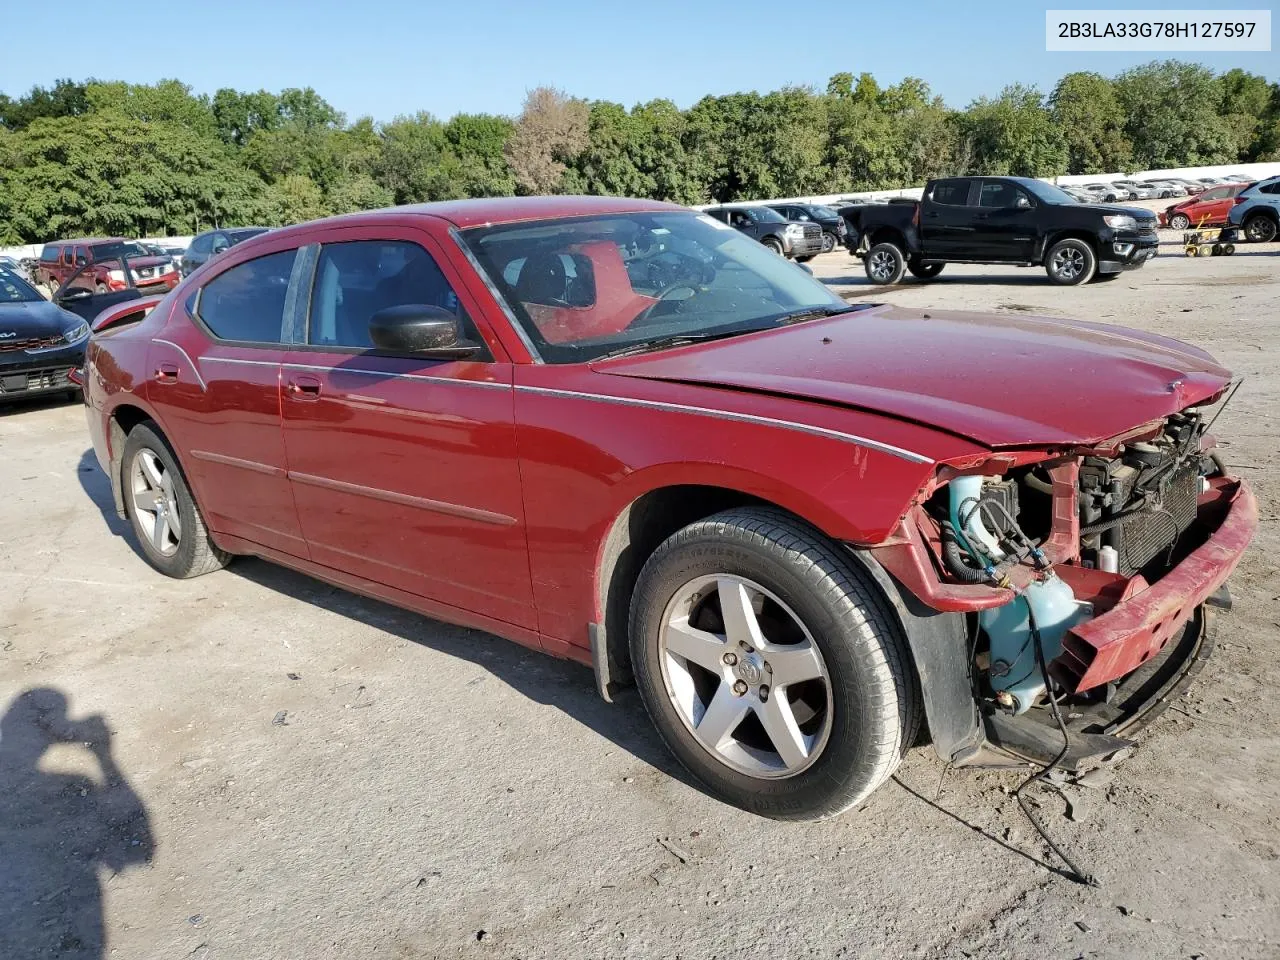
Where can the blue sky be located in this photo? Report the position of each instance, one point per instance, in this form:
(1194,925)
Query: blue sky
(389,57)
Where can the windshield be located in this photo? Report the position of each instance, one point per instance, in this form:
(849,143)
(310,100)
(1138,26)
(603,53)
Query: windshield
(13,289)
(823,213)
(121,248)
(1048,192)
(585,287)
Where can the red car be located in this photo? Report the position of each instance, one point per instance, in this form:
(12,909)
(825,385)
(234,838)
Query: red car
(621,432)
(1210,209)
(102,258)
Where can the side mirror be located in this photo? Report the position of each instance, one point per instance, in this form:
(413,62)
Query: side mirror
(220,248)
(418,328)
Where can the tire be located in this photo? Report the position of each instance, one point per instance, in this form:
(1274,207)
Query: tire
(773,245)
(1215,250)
(1107,277)
(857,714)
(885,263)
(1179,221)
(924,271)
(186,552)
(75,396)
(1070,262)
(829,242)
(806,258)
(1228,249)
(1260,228)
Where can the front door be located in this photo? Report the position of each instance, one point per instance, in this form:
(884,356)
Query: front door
(80,294)
(1213,207)
(1004,226)
(219,375)
(403,467)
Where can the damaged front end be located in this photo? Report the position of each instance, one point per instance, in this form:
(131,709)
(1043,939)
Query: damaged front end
(1085,575)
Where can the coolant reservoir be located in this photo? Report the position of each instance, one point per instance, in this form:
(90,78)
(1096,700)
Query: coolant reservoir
(1014,669)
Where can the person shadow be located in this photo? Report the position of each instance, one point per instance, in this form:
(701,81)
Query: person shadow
(60,831)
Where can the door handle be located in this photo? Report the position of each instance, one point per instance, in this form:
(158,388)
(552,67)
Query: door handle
(303,388)
(167,373)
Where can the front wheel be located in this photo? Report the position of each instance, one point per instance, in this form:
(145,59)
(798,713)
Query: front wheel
(162,511)
(1260,228)
(828,242)
(885,263)
(1070,262)
(773,245)
(924,271)
(772,666)
(1179,221)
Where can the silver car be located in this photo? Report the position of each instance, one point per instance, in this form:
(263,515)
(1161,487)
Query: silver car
(1167,188)
(1107,192)
(1139,191)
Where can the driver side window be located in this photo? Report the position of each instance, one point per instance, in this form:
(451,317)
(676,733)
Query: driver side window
(355,280)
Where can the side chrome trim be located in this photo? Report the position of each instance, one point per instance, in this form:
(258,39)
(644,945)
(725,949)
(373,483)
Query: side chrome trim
(194,368)
(816,431)
(520,331)
(487,384)
(252,363)
(391,496)
(252,465)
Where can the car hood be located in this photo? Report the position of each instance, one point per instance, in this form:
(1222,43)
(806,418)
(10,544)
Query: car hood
(999,380)
(31,319)
(1138,213)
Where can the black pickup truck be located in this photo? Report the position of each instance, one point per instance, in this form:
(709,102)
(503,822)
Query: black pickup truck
(1009,220)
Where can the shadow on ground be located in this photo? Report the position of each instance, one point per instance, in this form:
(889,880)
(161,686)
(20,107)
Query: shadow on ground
(60,831)
(565,685)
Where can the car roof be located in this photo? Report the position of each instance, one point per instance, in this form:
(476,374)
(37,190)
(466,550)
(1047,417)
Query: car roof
(86,241)
(486,211)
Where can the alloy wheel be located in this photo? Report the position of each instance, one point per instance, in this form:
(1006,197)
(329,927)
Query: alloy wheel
(155,504)
(882,265)
(745,676)
(828,243)
(1068,263)
(1260,230)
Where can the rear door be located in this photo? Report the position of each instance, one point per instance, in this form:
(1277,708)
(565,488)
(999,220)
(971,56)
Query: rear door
(947,219)
(404,467)
(1004,222)
(216,373)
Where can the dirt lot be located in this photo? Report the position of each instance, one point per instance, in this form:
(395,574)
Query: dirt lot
(297,772)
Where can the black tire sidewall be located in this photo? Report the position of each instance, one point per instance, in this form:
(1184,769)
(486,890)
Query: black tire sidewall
(899,270)
(1263,219)
(1091,262)
(846,762)
(925,271)
(143,437)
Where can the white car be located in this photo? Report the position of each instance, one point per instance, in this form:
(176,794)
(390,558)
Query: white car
(1167,188)
(1138,191)
(1106,192)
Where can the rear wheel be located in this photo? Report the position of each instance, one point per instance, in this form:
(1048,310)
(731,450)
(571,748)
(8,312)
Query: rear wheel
(924,271)
(1070,262)
(1260,228)
(1179,221)
(163,513)
(885,263)
(771,665)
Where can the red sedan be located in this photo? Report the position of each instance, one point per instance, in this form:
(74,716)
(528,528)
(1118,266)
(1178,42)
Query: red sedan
(1210,209)
(621,432)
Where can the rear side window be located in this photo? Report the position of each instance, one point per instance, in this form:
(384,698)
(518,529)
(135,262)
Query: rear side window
(952,193)
(247,302)
(1217,193)
(357,279)
(1273,187)
(50,253)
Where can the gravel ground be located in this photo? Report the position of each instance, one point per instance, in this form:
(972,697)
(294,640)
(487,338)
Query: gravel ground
(282,769)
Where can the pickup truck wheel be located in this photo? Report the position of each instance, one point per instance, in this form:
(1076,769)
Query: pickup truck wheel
(1260,228)
(161,509)
(924,271)
(772,667)
(885,263)
(773,245)
(828,242)
(1070,262)
(1179,221)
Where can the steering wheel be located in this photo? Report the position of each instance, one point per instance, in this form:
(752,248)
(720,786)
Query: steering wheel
(677,293)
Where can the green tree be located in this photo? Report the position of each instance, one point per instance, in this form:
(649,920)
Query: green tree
(1014,135)
(1246,110)
(296,199)
(65,98)
(1085,108)
(1172,116)
(237,116)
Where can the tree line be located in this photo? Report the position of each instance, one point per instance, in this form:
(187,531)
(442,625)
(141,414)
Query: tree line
(97,157)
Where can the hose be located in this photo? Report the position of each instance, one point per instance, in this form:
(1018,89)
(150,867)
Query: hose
(953,559)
